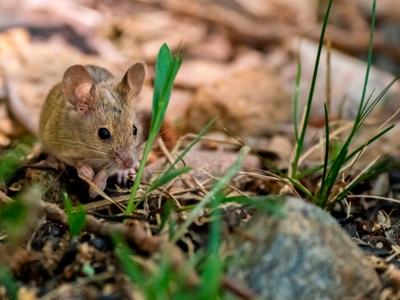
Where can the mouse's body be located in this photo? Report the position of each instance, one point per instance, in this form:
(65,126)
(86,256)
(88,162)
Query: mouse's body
(89,122)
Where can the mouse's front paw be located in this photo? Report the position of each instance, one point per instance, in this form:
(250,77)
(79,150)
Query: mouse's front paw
(124,174)
(100,180)
(86,171)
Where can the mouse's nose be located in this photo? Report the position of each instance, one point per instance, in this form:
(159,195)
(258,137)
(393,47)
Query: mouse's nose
(124,162)
(127,163)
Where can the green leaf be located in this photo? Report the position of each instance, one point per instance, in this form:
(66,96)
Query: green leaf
(13,215)
(166,70)
(167,177)
(123,252)
(11,158)
(76,219)
(88,270)
(168,206)
(195,141)
(164,59)
(211,278)
(9,283)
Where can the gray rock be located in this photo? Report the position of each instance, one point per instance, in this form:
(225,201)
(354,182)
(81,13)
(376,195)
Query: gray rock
(306,255)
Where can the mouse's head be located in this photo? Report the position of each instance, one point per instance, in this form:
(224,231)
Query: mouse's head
(103,112)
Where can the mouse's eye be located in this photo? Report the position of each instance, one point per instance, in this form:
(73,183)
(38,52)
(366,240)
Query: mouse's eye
(103,133)
(134,130)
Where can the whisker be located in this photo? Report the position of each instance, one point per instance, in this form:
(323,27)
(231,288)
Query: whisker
(80,147)
(76,142)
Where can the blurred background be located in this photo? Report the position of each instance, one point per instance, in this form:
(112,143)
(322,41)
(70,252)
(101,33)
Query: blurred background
(240,57)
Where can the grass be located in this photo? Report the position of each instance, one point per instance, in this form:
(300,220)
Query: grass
(333,164)
(311,94)
(7,280)
(333,167)
(76,218)
(166,70)
(169,283)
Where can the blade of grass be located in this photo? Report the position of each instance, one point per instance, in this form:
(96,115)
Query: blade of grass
(9,283)
(311,95)
(350,156)
(161,181)
(296,97)
(340,160)
(333,173)
(195,141)
(123,252)
(166,70)
(375,170)
(326,147)
(76,219)
(219,185)
(371,38)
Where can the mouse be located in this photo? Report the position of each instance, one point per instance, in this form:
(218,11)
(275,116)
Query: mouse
(90,121)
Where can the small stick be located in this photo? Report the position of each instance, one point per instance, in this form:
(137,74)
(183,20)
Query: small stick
(240,291)
(4,198)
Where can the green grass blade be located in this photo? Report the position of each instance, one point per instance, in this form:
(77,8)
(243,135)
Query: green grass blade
(166,70)
(215,228)
(163,62)
(311,95)
(219,185)
(296,98)
(368,64)
(326,148)
(167,90)
(123,252)
(7,280)
(368,109)
(334,172)
(165,178)
(375,170)
(77,219)
(11,158)
(350,156)
(194,142)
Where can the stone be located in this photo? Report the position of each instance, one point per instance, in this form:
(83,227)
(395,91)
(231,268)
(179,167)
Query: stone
(305,255)
(247,103)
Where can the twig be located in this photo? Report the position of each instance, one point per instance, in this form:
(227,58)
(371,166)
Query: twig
(5,198)
(237,290)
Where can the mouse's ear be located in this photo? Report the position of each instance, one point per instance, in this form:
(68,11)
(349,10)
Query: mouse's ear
(78,87)
(132,82)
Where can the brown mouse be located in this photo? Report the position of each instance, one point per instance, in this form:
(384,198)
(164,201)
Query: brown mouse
(89,121)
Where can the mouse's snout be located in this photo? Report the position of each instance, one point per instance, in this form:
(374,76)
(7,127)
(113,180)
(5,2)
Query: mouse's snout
(124,162)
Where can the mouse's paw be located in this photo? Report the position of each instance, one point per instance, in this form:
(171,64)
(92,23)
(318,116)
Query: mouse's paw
(100,180)
(123,175)
(51,162)
(86,171)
